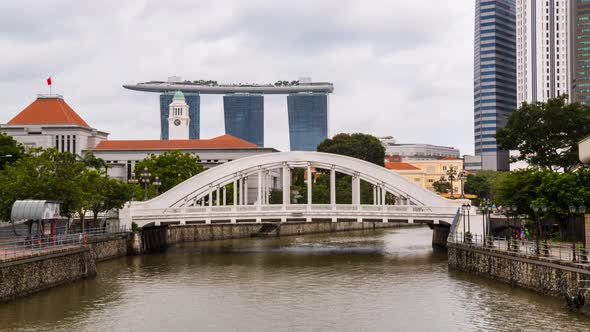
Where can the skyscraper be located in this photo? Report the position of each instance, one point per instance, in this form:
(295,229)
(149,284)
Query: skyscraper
(580,51)
(543,49)
(308,120)
(494,78)
(194,105)
(244,116)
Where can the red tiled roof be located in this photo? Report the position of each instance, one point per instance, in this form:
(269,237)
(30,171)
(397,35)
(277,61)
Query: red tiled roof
(401,166)
(220,142)
(48,111)
(393,159)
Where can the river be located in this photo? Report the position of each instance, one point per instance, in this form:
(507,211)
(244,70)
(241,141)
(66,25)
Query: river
(388,280)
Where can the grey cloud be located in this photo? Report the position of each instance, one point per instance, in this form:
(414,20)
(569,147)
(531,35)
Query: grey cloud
(400,67)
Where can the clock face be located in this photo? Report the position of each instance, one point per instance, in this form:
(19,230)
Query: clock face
(177,122)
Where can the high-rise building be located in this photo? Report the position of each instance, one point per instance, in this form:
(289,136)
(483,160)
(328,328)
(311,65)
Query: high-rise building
(244,116)
(193,101)
(543,49)
(580,51)
(494,78)
(308,120)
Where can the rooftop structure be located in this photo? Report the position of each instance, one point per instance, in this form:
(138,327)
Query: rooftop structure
(212,87)
(307,105)
(416,151)
(49,122)
(220,142)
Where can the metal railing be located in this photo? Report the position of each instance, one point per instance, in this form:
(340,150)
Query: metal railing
(544,250)
(23,247)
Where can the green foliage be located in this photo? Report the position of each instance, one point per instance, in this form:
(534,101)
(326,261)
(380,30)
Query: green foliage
(560,190)
(172,167)
(547,133)
(361,146)
(8,146)
(91,161)
(484,184)
(519,188)
(441,186)
(60,176)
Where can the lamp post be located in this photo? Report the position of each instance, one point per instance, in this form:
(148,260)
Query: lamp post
(452,175)
(468,206)
(573,211)
(145,179)
(536,208)
(157,183)
(463,209)
(462,176)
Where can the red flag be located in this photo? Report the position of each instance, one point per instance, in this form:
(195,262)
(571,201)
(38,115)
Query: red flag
(49,80)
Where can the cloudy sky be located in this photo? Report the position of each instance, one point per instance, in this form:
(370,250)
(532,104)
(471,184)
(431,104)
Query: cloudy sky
(400,68)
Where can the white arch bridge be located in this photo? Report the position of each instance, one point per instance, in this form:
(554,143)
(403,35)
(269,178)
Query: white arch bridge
(239,191)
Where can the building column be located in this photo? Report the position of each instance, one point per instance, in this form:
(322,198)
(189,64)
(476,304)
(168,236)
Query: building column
(259,201)
(210,196)
(286,185)
(356,185)
(224,193)
(245,190)
(332,186)
(309,186)
(235,192)
(375,198)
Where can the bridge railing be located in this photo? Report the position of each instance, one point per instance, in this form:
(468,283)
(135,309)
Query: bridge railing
(300,208)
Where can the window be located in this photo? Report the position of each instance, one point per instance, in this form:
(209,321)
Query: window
(68,140)
(74,143)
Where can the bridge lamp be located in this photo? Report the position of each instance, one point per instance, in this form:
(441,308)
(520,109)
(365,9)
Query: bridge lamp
(157,183)
(145,179)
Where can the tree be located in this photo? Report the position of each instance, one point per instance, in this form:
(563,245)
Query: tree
(519,188)
(360,146)
(441,186)
(560,190)
(546,134)
(9,147)
(484,184)
(46,175)
(172,167)
(90,160)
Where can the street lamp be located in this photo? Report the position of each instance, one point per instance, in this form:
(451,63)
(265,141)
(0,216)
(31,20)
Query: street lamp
(452,175)
(462,176)
(581,210)
(145,179)
(157,183)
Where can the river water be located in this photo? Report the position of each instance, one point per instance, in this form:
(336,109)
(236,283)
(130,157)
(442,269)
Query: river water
(388,280)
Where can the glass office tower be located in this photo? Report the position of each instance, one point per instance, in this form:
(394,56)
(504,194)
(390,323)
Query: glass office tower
(244,116)
(194,110)
(494,78)
(580,44)
(308,120)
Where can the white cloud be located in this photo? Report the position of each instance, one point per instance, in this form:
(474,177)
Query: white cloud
(401,68)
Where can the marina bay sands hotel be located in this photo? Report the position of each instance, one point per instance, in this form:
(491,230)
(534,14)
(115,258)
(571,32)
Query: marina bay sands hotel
(243,105)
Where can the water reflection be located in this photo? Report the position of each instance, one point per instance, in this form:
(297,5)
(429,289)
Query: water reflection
(370,281)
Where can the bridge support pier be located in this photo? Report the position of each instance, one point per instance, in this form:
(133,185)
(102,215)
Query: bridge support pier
(233,221)
(207,221)
(410,220)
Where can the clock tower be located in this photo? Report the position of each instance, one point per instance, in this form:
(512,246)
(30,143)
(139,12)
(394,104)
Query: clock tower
(178,118)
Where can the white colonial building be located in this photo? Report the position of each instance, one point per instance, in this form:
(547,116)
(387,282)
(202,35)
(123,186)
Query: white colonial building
(49,122)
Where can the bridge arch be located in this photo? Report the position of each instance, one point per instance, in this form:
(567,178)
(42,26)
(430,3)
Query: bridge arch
(198,191)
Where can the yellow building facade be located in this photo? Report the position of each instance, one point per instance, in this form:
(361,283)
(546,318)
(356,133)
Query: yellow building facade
(426,172)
